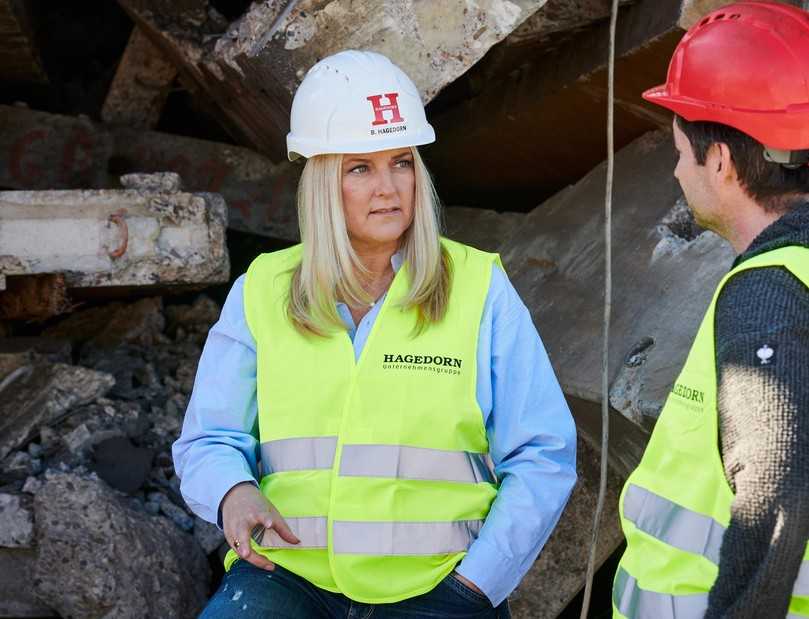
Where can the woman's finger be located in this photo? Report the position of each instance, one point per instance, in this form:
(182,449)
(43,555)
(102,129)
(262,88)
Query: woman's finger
(259,561)
(283,530)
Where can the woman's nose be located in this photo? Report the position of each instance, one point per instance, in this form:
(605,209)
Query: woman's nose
(384,183)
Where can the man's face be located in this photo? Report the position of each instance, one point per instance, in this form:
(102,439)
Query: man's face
(693,179)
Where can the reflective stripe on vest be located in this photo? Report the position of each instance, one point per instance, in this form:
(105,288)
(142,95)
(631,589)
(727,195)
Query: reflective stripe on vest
(404,538)
(403,462)
(298,454)
(673,524)
(685,529)
(378,538)
(632,601)
(394,461)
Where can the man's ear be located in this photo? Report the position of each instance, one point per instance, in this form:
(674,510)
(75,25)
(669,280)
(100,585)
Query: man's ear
(725,166)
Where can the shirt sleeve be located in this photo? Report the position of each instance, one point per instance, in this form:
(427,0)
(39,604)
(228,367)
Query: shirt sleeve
(532,441)
(764,436)
(217,448)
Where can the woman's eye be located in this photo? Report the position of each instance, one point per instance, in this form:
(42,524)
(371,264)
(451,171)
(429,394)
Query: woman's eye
(360,169)
(404,163)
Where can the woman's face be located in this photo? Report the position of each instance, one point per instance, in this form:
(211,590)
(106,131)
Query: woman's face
(378,197)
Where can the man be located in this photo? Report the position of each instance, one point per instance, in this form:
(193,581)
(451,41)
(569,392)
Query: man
(716,515)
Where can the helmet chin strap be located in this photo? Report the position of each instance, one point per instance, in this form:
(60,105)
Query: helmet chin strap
(790,159)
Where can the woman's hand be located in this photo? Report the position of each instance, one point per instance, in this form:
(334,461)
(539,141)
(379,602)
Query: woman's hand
(244,508)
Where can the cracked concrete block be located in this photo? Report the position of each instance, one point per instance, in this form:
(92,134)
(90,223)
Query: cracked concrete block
(99,238)
(99,558)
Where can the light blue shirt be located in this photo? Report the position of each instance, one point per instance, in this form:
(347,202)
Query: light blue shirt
(532,437)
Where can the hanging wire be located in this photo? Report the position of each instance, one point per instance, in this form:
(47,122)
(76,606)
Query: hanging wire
(605,396)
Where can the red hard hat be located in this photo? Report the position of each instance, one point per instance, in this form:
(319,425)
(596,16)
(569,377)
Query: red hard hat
(745,65)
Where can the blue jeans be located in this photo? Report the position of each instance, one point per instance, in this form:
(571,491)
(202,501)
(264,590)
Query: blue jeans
(248,592)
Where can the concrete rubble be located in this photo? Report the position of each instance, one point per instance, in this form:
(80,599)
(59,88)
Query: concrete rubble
(90,510)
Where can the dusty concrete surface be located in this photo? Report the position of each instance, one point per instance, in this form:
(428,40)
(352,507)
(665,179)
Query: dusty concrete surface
(102,238)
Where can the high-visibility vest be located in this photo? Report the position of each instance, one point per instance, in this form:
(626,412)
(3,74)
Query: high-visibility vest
(675,507)
(379,466)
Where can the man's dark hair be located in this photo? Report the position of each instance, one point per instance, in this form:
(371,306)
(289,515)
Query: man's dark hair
(775,187)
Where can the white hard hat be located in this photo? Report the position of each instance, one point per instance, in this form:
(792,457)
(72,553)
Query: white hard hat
(356,102)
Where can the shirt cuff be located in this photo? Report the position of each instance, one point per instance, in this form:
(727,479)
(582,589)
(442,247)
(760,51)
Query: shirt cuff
(491,572)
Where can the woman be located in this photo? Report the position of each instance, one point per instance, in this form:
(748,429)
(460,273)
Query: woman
(415,448)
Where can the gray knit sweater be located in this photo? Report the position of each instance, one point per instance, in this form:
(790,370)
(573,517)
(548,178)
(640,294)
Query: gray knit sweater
(764,429)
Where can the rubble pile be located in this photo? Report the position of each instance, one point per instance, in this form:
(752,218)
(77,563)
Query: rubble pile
(91,515)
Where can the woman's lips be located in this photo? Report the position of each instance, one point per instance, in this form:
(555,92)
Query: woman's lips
(385,211)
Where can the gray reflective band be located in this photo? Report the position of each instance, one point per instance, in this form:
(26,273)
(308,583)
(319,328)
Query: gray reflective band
(403,462)
(802,581)
(684,529)
(298,454)
(672,524)
(636,603)
(404,538)
(313,533)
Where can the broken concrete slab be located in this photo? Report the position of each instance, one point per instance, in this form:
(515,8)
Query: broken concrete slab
(558,574)
(264,54)
(541,102)
(99,558)
(48,151)
(659,297)
(16,521)
(140,86)
(40,394)
(101,238)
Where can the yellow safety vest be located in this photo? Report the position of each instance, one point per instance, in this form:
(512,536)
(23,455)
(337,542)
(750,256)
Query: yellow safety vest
(379,466)
(675,506)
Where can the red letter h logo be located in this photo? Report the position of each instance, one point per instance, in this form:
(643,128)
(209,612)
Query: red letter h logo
(392,106)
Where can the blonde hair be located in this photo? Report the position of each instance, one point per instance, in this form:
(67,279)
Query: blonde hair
(330,270)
